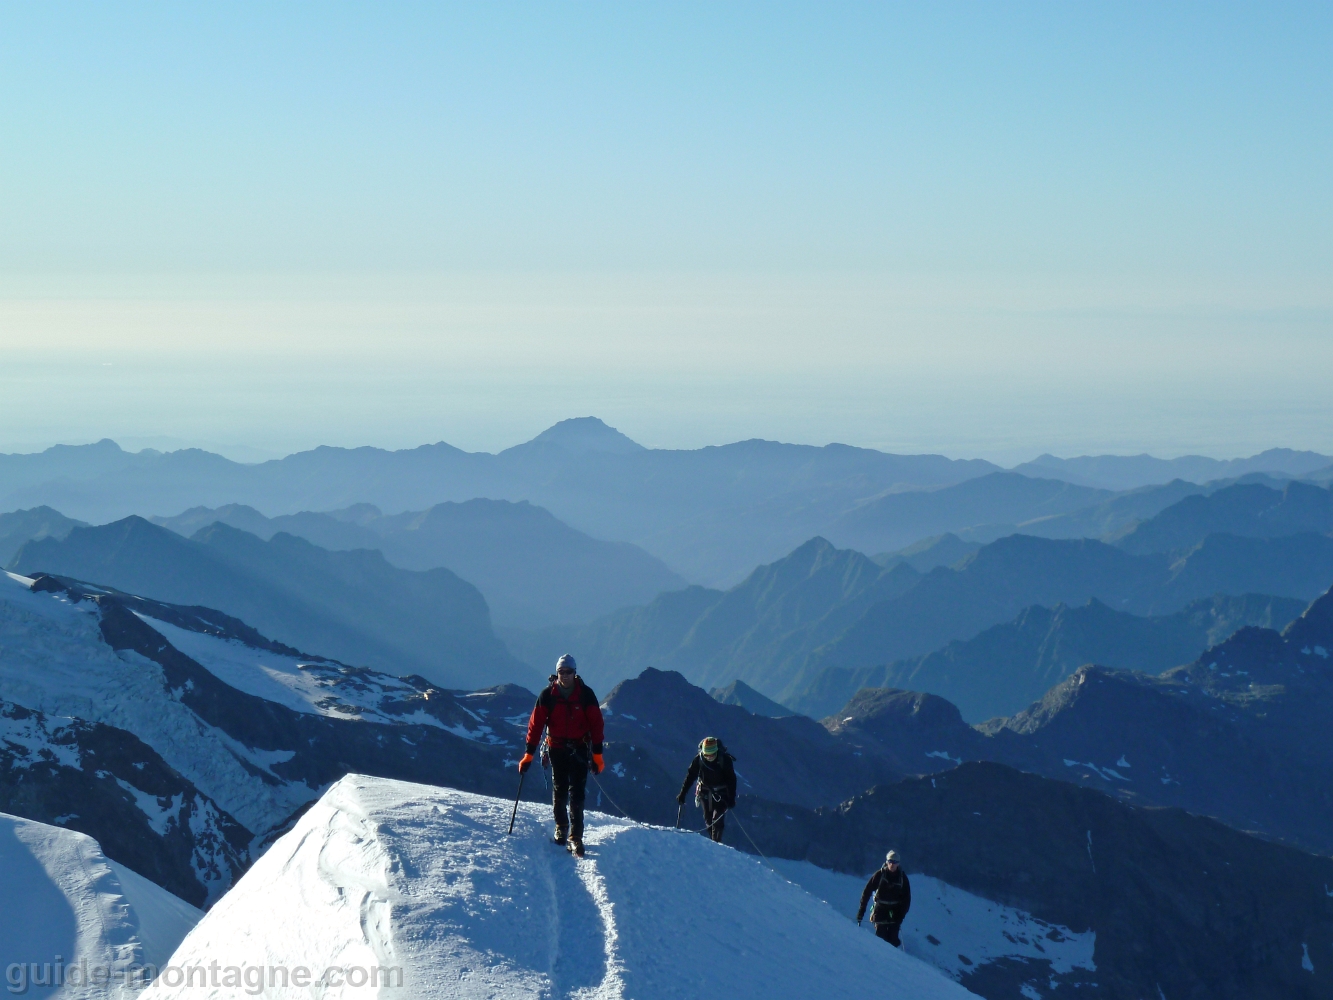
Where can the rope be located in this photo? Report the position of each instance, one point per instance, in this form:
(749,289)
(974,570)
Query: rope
(592,774)
(754,845)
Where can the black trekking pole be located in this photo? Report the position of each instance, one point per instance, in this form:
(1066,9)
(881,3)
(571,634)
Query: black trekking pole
(521,776)
(679,807)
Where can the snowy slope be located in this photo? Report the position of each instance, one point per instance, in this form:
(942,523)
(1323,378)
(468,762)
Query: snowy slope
(53,658)
(392,875)
(956,930)
(62,901)
(303,684)
(108,784)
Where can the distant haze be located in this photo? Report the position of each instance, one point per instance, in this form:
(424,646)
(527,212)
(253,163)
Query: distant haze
(985,231)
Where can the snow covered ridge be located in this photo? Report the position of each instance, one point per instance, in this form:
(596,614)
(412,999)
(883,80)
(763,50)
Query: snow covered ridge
(263,735)
(74,920)
(241,657)
(401,879)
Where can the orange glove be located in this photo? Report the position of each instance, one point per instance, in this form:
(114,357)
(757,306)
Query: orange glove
(597,766)
(525,763)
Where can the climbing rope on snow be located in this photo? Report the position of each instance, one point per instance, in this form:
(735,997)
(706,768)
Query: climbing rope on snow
(607,794)
(754,845)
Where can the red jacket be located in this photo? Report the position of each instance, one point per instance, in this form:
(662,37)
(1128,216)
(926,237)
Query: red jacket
(576,719)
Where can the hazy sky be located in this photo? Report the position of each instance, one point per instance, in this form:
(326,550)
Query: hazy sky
(978,229)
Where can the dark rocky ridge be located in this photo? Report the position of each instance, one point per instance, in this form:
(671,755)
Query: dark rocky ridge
(1179,903)
(792,759)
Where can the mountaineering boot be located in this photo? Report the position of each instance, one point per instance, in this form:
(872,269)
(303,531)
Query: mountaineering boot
(560,836)
(576,845)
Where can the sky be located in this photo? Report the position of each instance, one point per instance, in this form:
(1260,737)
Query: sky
(984,230)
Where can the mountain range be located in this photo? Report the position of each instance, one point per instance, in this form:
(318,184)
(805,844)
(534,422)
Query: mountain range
(532,569)
(259,729)
(710,514)
(21,526)
(354,605)
(982,508)
(821,607)
(1005,668)
(1127,472)
(1248,510)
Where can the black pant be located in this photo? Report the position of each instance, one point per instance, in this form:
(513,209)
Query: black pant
(889,933)
(714,816)
(569,776)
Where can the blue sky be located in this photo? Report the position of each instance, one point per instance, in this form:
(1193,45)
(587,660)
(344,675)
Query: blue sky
(980,229)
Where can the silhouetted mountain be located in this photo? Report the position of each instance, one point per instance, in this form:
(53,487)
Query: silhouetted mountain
(712,514)
(1250,510)
(582,435)
(1006,576)
(238,515)
(532,569)
(1005,668)
(758,631)
(996,502)
(1116,515)
(353,605)
(740,693)
(925,555)
(823,607)
(1127,472)
(1181,906)
(22,525)
(72,462)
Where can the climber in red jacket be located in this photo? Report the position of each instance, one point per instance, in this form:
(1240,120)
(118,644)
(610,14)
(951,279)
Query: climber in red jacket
(569,713)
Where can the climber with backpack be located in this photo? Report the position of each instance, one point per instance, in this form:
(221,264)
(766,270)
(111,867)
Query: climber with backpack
(893,898)
(568,711)
(715,792)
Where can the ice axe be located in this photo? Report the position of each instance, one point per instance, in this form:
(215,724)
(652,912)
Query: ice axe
(521,776)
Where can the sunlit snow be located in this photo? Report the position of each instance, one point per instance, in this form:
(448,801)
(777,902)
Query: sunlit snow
(383,875)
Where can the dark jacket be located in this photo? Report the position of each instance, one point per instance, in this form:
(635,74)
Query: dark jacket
(893,896)
(715,776)
(567,721)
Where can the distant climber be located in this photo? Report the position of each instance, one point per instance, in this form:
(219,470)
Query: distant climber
(715,792)
(893,898)
(569,713)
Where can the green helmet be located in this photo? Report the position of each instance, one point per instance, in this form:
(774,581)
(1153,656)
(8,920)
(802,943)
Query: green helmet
(708,747)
